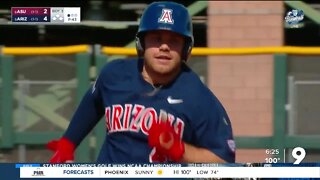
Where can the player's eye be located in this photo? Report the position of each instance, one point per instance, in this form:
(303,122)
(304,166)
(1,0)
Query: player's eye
(154,38)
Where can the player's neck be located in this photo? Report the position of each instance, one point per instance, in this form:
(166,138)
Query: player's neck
(156,79)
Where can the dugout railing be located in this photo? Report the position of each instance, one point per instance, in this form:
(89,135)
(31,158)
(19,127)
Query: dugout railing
(10,137)
(86,60)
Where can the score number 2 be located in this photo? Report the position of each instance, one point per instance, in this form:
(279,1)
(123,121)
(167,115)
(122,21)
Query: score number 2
(299,154)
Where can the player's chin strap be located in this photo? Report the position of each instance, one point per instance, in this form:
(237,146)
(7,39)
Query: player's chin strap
(154,91)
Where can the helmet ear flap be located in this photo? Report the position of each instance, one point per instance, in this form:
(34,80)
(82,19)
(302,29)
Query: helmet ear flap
(139,46)
(186,50)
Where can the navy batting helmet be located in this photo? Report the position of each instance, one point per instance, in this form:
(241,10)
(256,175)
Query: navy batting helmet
(168,16)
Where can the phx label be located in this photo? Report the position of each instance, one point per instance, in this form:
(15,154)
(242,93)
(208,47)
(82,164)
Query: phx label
(38,172)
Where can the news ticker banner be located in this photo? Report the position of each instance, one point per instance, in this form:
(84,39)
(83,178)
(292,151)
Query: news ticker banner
(23,15)
(168,171)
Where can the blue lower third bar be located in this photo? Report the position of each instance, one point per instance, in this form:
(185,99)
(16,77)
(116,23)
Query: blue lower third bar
(27,165)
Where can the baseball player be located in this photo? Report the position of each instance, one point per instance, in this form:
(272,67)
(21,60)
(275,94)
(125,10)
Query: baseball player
(155,108)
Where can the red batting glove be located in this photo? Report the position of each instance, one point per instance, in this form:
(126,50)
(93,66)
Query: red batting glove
(166,141)
(156,156)
(64,150)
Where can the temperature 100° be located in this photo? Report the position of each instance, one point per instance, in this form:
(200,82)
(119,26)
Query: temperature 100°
(185,171)
(272,160)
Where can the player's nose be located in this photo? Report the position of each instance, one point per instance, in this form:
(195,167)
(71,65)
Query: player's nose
(164,47)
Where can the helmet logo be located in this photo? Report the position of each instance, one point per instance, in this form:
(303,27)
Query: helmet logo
(166,16)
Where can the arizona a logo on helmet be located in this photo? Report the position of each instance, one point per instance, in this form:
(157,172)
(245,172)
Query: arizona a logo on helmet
(166,16)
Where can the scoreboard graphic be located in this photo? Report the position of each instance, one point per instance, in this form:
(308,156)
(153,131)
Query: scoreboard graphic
(21,15)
